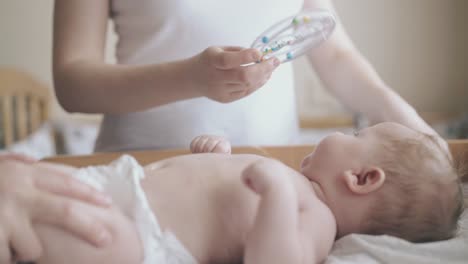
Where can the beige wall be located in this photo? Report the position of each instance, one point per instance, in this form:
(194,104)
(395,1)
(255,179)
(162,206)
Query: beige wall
(420,47)
(26,39)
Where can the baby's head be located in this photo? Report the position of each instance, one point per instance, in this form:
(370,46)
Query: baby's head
(388,179)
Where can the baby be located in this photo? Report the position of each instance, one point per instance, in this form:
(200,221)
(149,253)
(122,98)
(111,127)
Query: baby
(221,208)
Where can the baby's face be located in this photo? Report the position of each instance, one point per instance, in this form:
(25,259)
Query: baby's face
(339,152)
(335,163)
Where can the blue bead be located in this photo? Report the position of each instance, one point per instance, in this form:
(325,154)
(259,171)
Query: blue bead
(289,56)
(265,39)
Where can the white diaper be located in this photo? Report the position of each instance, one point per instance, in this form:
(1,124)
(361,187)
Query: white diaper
(121,180)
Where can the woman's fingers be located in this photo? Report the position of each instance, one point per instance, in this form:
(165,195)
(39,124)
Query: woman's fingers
(226,59)
(5,251)
(250,75)
(17,157)
(70,215)
(24,241)
(227,74)
(64,184)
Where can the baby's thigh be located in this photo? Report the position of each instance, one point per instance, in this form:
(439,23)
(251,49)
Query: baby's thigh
(62,247)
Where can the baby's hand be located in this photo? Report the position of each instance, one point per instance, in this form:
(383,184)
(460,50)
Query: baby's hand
(210,144)
(267,175)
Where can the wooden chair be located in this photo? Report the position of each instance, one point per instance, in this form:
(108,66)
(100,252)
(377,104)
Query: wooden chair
(24,105)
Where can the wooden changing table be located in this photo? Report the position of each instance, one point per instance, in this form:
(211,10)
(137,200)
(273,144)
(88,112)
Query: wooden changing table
(290,155)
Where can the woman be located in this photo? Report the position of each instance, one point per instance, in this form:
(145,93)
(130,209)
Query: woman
(181,71)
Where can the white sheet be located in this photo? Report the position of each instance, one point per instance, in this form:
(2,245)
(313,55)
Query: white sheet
(364,249)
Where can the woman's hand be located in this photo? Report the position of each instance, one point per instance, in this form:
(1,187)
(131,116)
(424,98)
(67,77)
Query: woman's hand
(17,157)
(226,74)
(210,144)
(33,194)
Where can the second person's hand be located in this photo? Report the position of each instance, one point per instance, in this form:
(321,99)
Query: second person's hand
(34,194)
(227,74)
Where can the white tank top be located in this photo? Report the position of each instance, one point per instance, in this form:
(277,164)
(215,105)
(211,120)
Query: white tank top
(156,31)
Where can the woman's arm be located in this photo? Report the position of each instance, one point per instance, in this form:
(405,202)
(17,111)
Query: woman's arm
(85,83)
(353,80)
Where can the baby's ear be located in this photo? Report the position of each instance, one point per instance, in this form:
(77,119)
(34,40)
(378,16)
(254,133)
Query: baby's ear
(366,181)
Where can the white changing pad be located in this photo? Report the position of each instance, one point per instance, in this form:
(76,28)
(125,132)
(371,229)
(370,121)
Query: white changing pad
(365,249)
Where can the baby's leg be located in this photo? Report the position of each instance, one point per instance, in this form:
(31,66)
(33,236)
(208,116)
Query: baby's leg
(61,247)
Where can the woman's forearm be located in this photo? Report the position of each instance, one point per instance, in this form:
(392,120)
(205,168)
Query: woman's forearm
(95,87)
(353,80)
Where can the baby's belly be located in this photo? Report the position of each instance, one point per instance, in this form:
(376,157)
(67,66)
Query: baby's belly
(202,200)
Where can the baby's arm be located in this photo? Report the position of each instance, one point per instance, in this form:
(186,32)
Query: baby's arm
(62,247)
(275,236)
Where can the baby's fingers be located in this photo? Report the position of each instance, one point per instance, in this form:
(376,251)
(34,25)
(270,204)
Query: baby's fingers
(195,144)
(217,144)
(210,144)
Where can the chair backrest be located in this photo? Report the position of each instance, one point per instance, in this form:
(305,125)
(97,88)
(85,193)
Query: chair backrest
(24,105)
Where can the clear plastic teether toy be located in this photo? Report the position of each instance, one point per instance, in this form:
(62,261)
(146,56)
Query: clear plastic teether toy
(293,36)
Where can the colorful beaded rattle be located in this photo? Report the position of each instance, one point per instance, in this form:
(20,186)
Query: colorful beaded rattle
(293,36)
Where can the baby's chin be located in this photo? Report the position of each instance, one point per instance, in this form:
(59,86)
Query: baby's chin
(303,171)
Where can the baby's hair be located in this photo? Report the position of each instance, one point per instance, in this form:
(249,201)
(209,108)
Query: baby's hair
(461,165)
(422,198)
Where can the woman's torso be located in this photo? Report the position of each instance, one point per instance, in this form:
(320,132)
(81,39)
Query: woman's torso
(156,31)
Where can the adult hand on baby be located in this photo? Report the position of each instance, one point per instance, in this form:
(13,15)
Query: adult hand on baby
(30,194)
(17,157)
(266,175)
(222,73)
(210,144)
